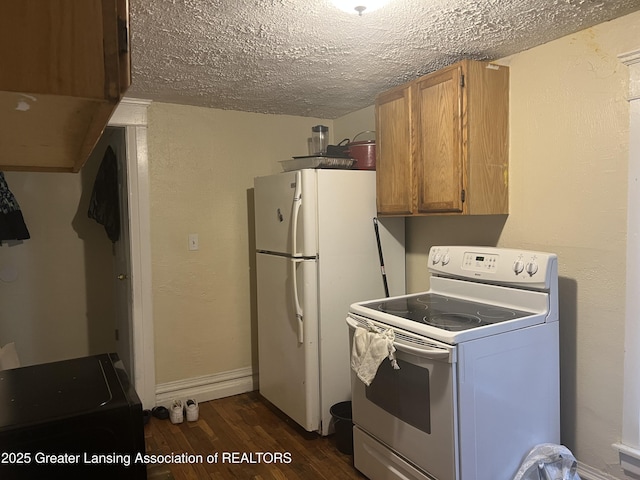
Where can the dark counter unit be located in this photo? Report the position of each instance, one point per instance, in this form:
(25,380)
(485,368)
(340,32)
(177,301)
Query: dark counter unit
(74,417)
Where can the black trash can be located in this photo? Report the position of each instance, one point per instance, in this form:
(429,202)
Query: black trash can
(342,418)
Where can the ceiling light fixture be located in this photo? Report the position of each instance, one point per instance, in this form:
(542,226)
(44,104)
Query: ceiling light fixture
(359,6)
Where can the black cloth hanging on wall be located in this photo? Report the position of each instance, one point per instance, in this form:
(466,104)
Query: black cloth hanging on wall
(104,206)
(12,226)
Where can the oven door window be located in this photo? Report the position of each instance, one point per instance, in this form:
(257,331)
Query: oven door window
(403,393)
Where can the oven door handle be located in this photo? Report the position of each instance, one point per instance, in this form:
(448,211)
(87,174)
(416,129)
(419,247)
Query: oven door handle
(423,351)
(432,353)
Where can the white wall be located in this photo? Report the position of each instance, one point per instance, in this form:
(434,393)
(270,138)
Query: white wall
(577,106)
(201,164)
(569,122)
(58,300)
(348,126)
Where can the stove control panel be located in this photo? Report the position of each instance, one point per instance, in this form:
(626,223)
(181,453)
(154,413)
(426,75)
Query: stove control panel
(498,265)
(482,262)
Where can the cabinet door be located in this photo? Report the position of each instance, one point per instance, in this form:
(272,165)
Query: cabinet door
(59,48)
(394,172)
(439,157)
(67,67)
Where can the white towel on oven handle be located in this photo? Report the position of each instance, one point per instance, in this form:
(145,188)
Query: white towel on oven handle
(370,347)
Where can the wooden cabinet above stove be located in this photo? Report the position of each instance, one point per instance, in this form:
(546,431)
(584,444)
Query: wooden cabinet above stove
(442,143)
(65,67)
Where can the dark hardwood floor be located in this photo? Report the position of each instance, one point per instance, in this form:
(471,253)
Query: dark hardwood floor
(252,440)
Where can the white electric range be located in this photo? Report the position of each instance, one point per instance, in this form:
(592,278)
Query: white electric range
(478,383)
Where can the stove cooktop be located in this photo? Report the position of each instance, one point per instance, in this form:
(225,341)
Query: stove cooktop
(446,313)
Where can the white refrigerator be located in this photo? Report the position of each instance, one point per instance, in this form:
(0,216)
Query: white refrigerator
(317,253)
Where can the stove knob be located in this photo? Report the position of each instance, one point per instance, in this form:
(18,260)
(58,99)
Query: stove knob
(436,258)
(518,267)
(445,259)
(532,268)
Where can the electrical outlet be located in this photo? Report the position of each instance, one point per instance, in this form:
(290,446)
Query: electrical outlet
(193,242)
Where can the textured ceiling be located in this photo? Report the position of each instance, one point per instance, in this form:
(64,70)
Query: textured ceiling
(307,58)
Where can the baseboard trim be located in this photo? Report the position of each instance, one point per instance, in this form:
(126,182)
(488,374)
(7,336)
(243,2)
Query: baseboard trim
(629,459)
(589,473)
(208,387)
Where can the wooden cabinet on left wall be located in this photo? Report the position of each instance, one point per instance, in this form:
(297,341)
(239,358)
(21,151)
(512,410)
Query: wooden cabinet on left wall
(65,67)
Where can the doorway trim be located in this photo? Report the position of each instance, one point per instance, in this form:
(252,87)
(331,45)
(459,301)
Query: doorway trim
(132,115)
(629,446)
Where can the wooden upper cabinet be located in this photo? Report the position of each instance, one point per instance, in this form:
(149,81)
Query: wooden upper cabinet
(65,67)
(458,146)
(438,112)
(394,159)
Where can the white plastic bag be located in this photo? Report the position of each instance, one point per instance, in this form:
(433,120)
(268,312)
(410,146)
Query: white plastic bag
(548,461)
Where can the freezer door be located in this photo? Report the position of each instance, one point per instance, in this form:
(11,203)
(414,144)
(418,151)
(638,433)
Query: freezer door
(285,213)
(288,368)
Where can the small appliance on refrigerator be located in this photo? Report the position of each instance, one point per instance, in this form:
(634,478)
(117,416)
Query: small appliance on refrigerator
(316,254)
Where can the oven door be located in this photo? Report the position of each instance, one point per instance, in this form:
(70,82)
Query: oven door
(411,410)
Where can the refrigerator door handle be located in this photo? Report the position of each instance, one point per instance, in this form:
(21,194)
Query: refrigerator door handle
(299,313)
(297,203)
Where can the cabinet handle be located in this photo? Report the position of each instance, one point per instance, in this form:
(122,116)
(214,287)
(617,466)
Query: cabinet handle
(123,36)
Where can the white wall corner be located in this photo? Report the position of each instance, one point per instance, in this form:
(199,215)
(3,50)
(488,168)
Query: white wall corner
(208,387)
